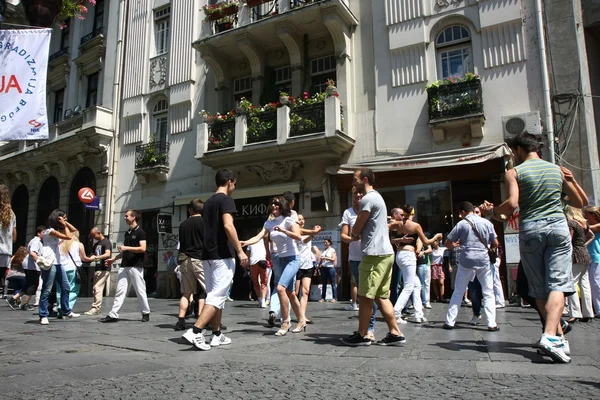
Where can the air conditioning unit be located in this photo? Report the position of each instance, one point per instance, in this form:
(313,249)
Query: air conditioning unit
(529,122)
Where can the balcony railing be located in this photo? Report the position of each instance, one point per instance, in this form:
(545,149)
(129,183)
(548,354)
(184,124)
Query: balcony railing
(261,9)
(221,135)
(91,35)
(60,53)
(307,120)
(455,100)
(262,127)
(153,154)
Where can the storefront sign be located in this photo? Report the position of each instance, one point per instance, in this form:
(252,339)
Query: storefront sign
(94,204)
(164,223)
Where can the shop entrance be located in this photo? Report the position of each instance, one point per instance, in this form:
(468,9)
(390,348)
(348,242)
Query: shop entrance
(149,225)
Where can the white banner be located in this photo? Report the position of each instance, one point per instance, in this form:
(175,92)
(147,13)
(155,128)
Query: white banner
(23,71)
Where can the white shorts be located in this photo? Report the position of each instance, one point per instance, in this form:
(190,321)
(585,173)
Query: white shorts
(219,277)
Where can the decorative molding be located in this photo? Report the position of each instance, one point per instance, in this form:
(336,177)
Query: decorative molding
(276,171)
(218,63)
(253,51)
(409,65)
(291,38)
(397,11)
(158,72)
(446,3)
(503,44)
(132,132)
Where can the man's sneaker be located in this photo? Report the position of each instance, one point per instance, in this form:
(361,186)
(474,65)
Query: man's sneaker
(401,321)
(108,319)
(407,313)
(219,340)
(566,327)
(229,298)
(26,307)
(536,344)
(420,320)
(566,347)
(12,303)
(145,317)
(467,302)
(93,311)
(199,341)
(475,320)
(189,335)
(271,320)
(44,321)
(180,326)
(73,315)
(392,340)
(448,327)
(500,305)
(553,347)
(351,307)
(357,340)
(411,307)
(428,306)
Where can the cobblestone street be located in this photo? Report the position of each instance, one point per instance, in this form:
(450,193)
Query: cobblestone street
(72,359)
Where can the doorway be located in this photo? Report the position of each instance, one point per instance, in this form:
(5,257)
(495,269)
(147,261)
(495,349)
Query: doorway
(149,225)
(20,206)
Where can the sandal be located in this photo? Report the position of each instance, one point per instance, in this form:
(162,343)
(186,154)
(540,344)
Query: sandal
(285,327)
(301,327)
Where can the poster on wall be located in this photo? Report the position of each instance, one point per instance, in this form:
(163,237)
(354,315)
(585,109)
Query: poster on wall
(511,247)
(23,70)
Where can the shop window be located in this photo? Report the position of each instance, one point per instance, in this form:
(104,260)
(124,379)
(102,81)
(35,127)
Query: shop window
(453,49)
(161,30)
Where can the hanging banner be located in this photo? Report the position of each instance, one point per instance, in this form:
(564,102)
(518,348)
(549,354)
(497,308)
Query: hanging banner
(23,71)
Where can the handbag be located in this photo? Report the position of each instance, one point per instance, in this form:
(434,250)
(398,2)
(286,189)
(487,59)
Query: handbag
(491,253)
(77,272)
(46,258)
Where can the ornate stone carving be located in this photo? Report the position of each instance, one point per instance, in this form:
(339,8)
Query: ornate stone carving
(158,72)
(446,3)
(276,171)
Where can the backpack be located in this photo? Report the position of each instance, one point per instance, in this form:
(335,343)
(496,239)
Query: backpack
(46,258)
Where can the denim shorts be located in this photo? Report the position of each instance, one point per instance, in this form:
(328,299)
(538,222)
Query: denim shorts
(545,247)
(289,268)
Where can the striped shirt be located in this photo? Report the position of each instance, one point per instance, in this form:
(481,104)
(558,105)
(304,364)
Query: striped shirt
(540,188)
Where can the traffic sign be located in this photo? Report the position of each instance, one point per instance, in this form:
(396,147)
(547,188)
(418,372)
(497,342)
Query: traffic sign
(86,195)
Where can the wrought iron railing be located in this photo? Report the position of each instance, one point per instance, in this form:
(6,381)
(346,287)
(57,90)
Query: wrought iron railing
(262,127)
(455,100)
(90,36)
(301,3)
(60,53)
(306,120)
(153,154)
(260,9)
(221,135)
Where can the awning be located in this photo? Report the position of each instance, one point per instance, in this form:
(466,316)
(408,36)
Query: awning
(258,191)
(448,158)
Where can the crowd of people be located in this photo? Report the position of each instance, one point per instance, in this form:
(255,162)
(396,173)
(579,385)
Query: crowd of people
(559,249)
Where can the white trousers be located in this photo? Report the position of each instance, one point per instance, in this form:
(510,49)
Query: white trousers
(498,292)
(407,260)
(135,277)
(463,277)
(219,278)
(581,278)
(594,276)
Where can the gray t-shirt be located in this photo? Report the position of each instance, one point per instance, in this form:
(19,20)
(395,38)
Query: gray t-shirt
(6,236)
(375,240)
(473,254)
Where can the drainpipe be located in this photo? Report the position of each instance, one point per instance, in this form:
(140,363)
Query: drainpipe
(548,120)
(116,121)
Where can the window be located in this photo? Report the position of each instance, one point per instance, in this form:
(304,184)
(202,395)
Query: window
(322,69)
(92,90)
(160,121)
(453,46)
(59,98)
(161,27)
(99,15)
(242,88)
(64,35)
(283,79)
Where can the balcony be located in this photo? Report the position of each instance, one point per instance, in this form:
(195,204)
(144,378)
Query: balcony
(97,35)
(152,159)
(91,52)
(456,104)
(311,132)
(58,69)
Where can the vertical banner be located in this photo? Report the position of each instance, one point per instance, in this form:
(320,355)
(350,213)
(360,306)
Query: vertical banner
(23,71)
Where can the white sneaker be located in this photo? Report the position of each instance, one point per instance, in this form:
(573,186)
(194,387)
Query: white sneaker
(219,340)
(467,302)
(566,347)
(229,298)
(44,321)
(428,306)
(401,321)
(553,347)
(197,339)
(475,320)
(73,315)
(500,305)
(351,307)
(420,320)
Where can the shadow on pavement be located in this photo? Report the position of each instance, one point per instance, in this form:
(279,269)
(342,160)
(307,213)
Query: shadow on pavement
(494,347)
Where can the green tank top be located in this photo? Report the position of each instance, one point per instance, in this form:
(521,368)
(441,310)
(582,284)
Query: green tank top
(540,188)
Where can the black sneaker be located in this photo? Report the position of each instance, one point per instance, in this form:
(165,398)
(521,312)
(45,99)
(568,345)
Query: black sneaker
(271,320)
(26,307)
(107,319)
(356,340)
(392,340)
(180,326)
(145,317)
(11,303)
(566,327)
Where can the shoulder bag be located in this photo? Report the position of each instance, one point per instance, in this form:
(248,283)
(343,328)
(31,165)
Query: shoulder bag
(77,271)
(491,253)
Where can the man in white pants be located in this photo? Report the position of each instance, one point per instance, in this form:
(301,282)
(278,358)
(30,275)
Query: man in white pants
(475,235)
(132,253)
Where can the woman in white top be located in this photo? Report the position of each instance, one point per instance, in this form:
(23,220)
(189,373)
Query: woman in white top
(305,273)
(285,233)
(57,229)
(328,264)
(72,253)
(8,234)
(257,254)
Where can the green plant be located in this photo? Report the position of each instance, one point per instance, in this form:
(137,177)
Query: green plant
(74,8)
(214,11)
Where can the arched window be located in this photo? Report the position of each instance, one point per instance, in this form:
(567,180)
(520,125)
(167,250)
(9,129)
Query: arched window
(20,206)
(453,47)
(160,121)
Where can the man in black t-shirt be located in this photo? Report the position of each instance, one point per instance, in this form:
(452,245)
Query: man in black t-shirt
(132,268)
(191,238)
(221,244)
(102,252)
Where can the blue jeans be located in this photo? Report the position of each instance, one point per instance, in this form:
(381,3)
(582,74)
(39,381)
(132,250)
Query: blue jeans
(354,269)
(422,270)
(276,270)
(73,290)
(328,273)
(289,267)
(58,274)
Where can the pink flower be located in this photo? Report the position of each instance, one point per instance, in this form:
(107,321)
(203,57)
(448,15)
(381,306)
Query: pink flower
(81,17)
(62,25)
(92,2)
(82,8)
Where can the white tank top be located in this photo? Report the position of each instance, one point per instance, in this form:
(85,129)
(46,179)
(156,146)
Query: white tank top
(66,261)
